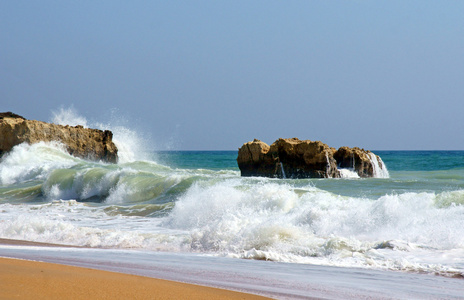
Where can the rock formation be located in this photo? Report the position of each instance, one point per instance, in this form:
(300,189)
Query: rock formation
(79,141)
(364,162)
(253,160)
(293,158)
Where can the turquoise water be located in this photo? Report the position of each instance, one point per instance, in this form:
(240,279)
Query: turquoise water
(395,160)
(410,171)
(430,171)
(196,201)
(422,160)
(212,160)
(413,171)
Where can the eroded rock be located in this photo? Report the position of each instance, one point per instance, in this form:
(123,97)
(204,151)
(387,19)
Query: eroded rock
(294,158)
(81,142)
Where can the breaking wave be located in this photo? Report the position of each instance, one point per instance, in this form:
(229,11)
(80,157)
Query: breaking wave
(48,195)
(409,222)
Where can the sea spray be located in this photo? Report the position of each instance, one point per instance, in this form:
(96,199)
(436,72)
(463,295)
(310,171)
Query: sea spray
(131,145)
(68,116)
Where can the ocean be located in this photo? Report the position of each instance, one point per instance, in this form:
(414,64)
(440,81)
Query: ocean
(196,201)
(186,203)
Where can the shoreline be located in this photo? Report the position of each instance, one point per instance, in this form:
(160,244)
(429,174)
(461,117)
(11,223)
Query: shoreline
(248,278)
(14,242)
(28,278)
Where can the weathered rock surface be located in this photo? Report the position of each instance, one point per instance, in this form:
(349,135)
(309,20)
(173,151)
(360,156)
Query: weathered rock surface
(253,159)
(81,142)
(293,158)
(360,160)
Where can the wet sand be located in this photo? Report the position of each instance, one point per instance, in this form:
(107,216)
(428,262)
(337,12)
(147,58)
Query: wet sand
(25,279)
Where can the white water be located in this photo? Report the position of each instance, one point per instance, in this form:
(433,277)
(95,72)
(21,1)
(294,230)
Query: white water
(328,165)
(283,172)
(131,146)
(226,215)
(222,214)
(270,221)
(68,116)
(379,172)
(28,162)
(348,173)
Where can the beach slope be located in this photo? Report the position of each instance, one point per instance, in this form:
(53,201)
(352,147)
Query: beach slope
(23,279)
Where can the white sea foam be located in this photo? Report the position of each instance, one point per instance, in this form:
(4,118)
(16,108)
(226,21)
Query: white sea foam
(73,223)
(222,214)
(266,219)
(270,221)
(59,175)
(26,162)
(348,173)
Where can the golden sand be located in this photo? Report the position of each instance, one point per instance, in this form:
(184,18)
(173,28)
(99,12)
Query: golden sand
(23,279)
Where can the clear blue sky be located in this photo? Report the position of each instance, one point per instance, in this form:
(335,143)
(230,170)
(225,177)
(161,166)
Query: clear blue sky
(211,75)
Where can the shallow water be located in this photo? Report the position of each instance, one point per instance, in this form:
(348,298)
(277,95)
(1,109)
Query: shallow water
(274,279)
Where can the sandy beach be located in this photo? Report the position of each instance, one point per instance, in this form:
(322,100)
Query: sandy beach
(31,270)
(27,279)
(22,279)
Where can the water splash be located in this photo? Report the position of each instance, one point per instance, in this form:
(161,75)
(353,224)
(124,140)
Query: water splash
(282,170)
(131,145)
(151,207)
(68,116)
(328,165)
(350,173)
(380,169)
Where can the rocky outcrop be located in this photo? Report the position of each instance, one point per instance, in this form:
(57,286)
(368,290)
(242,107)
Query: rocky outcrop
(254,159)
(365,163)
(79,141)
(293,158)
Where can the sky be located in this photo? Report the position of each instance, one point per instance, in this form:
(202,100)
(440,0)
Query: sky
(212,75)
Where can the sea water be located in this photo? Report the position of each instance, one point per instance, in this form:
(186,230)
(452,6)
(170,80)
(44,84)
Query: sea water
(196,202)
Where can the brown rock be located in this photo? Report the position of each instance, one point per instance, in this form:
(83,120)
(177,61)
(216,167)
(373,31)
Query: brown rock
(305,159)
(290,158)
(81,142)
(356,159)
(9,114)
(293,158)
(254,161)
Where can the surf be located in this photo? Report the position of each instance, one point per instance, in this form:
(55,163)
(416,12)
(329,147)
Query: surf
(197,202)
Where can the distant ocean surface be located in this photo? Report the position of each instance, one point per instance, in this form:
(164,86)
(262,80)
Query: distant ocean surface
(197,202)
